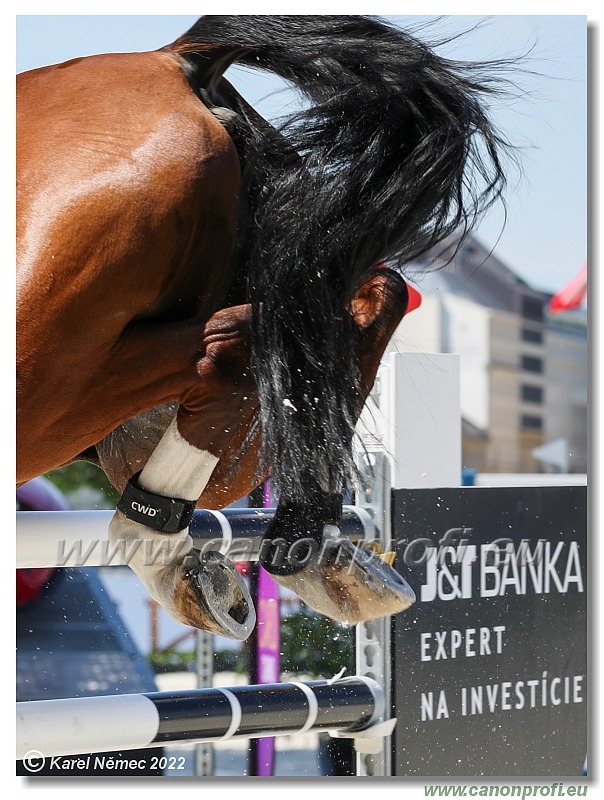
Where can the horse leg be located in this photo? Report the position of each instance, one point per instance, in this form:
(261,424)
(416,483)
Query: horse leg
(205,592)
(305,553)
(150,526)
(302,548)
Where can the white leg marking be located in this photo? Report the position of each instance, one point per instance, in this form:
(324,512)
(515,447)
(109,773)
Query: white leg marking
(175,469)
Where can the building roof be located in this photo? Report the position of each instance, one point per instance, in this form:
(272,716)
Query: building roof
(474,272)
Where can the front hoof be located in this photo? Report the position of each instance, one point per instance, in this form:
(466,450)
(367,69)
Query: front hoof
(349,584)
(215,597)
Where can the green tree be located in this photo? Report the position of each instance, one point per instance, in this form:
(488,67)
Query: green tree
(83,474)
(315,645)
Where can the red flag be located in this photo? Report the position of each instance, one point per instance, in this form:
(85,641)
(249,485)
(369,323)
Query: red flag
(415,298)
(572,295)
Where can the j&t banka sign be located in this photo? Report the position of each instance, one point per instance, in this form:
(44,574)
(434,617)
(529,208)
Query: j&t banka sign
(501,568)
(489,672)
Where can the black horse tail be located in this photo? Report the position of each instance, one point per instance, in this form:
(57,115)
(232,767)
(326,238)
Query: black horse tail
(394,154)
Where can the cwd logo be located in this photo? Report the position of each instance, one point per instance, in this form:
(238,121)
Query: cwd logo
(141,509)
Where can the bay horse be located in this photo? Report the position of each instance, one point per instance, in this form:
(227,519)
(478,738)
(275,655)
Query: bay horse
(199,303)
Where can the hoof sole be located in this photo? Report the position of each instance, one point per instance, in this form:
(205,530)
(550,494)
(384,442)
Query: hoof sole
(222,596)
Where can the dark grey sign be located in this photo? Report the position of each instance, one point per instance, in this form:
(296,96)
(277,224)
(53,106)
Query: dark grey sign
(489,665)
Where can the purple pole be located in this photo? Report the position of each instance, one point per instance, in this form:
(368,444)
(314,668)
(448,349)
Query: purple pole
(268,663)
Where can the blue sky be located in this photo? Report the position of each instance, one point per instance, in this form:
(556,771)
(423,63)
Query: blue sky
(545,238)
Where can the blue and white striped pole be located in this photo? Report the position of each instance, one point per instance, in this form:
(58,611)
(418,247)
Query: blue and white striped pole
(348,706)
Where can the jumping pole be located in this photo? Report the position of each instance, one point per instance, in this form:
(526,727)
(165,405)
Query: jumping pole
(350,707)
(80,538)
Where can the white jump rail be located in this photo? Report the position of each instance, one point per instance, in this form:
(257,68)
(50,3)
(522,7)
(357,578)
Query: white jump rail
(80,538)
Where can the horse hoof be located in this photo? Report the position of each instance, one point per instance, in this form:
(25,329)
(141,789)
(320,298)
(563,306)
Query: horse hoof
(216,597)
(349,584)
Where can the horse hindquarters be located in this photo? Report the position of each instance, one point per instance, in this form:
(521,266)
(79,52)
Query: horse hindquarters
(128,200)
(126,221)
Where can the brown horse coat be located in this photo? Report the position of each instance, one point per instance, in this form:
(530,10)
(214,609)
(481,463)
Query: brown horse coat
(185,271)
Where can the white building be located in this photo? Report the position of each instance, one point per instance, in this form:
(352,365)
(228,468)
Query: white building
(524,373)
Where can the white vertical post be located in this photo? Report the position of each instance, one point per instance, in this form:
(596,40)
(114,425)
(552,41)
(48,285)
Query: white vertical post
(372,638)
(204,667)
(410,432)
(418,419)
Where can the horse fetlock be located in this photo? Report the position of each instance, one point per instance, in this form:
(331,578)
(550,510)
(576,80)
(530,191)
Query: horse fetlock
(206,593)
(286,556)
(297,531)
(144,549)
(281,556)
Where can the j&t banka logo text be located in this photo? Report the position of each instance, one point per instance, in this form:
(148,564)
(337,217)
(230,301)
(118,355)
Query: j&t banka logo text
(501,568)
